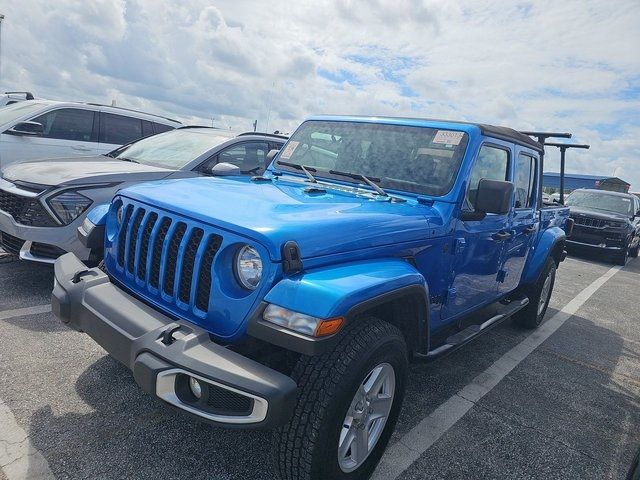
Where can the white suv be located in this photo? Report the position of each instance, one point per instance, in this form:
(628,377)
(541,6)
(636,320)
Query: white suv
(46,129)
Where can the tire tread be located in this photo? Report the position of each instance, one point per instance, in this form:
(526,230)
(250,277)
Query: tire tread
(319,378)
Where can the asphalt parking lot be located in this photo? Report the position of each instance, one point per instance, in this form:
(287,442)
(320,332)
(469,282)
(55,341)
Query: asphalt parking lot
(563,402)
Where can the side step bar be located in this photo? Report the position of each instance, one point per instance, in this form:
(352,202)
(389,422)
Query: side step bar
(505,310)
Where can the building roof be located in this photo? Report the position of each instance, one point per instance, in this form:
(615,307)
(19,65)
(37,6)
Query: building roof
(581,176)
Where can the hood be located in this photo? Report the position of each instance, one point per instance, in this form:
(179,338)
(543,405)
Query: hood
(273,213)
(599,214)
(81,170)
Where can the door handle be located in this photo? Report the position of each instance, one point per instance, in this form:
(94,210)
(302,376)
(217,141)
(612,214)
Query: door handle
(530,229)
(501,236)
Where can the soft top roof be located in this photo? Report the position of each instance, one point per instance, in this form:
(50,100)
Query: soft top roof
(502,133)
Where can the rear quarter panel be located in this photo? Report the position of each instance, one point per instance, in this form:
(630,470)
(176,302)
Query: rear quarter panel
(552,232)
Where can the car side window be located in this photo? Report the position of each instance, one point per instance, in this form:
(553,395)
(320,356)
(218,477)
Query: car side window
(147,128)
(492,163)
(249,156)
(161,127)
(67,124)
(524,180)
(119,129)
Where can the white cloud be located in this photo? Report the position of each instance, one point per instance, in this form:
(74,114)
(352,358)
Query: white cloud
(571,65)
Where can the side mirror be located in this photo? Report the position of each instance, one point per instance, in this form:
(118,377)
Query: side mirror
(27,128)
(225,169)
(270,156)
(494,196)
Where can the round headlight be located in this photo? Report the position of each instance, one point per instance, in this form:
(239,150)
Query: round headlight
(248,267)
(119,214)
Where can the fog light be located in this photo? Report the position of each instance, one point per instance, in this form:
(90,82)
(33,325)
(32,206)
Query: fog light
(195,387)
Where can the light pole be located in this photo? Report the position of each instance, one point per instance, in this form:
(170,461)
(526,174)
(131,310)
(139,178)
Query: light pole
(1,19)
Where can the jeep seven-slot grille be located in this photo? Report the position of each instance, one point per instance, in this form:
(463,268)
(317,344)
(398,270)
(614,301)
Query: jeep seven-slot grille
(144,244)
(158,244)
(172,258)
(204,276)
(589,222)
(184,293)
(180,257)
(25,210)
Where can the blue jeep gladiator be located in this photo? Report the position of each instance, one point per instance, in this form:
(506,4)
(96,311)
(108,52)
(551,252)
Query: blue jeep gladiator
(296,299)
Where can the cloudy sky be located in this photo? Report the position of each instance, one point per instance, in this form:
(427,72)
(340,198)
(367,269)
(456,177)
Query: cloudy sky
(569,66)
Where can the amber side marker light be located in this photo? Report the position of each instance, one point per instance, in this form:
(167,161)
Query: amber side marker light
(328,327)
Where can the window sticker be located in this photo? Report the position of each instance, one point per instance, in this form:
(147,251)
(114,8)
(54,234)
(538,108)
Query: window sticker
(289,149)
(448,137)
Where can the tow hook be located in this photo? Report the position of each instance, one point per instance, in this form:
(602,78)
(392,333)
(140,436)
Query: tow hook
(78,276)
(167,335)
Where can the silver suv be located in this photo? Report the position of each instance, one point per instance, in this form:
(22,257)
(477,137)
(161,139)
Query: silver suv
(43,203)
(38,129)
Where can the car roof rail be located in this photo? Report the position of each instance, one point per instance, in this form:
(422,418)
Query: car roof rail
(28,95)
(199,126)
(135,111)
(274,135)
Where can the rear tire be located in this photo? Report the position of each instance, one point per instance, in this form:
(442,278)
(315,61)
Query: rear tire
(341,394)
(539,295)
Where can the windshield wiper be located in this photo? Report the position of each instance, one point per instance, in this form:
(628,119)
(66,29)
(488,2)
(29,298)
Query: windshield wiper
(359,176)
(124,159)
(301,167)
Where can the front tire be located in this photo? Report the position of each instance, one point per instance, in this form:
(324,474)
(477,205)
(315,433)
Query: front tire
(622,257)
(633,252)
(539,295)
(348,404)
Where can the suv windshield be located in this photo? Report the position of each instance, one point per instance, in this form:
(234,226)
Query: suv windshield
(410,159)
(601,201)
(173,149)
(12,112)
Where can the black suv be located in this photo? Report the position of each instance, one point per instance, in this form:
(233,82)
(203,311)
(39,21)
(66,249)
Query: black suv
(608,222)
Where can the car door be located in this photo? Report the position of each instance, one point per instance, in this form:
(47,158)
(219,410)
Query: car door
(67,132)
(524,220)
(478,243)
(116,130)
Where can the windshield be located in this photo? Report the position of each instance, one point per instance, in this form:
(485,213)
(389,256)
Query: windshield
(12,112)
(411,159)
(601,201)
(173,149)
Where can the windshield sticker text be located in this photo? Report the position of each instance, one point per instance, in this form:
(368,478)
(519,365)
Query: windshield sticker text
(448,137)
(289,149)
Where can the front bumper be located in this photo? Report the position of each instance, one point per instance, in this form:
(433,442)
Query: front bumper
(603,246)
(62,237)
(163,352)
(599,247)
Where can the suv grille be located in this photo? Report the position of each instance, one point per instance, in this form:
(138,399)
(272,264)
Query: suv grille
(10,243)
(25,210)
(589,222)
(164,254)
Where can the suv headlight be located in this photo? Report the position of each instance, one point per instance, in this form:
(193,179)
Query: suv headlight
(614,224)
(248,267)
(68,206)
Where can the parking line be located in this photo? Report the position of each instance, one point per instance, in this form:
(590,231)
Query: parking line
(20,312)
(420,438)
(19,459)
